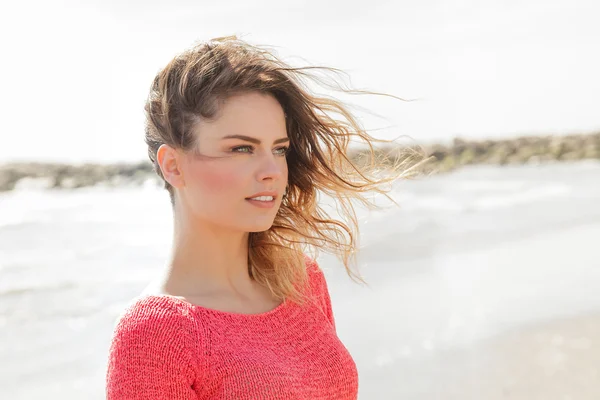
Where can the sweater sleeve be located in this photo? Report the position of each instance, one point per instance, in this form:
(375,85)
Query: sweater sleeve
(150,356)
(321,289)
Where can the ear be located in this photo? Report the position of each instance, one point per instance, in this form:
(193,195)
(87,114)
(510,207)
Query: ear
(169,161)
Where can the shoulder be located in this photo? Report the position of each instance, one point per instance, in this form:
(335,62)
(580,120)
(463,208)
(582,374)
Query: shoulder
(316,277)
(150,321)
(148,313)
(313,269)
(319,288)
(154,351)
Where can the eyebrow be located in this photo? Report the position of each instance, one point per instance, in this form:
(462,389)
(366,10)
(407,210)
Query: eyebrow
(253,140)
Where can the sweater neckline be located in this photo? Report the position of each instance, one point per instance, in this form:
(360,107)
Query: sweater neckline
(227,314)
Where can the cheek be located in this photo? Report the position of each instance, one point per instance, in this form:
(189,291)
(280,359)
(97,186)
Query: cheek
(216,180)
(214,185)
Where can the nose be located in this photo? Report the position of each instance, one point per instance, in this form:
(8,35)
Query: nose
(271,167)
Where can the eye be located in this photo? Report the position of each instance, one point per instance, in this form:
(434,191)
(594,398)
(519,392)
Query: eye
(282,151)
(239,148)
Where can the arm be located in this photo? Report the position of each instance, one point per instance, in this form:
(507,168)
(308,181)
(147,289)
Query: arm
(150,356)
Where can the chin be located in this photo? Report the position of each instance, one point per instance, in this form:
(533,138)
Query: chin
(260,228)
(255,223)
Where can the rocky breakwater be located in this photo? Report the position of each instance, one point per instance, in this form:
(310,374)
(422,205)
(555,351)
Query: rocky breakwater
(437,158)
(70,176)
(427,159)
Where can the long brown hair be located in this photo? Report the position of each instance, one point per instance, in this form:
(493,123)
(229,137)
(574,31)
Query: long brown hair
(320,129)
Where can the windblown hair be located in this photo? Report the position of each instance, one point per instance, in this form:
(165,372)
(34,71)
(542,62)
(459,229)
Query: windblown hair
(194,84)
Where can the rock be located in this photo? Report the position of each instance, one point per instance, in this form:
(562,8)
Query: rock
(439,158)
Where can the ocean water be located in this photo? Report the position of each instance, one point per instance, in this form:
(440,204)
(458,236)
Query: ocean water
(466,256)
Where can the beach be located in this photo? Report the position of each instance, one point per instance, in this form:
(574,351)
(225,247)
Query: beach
(552,360)
(483,285)
(502,333)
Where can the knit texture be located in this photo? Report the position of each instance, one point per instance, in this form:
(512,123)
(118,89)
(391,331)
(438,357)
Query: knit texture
(166,348)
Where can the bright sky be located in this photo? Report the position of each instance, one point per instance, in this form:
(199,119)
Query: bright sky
(76,73)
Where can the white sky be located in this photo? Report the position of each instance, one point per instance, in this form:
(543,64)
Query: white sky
(76,73)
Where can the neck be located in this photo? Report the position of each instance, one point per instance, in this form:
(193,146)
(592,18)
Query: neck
(207,259)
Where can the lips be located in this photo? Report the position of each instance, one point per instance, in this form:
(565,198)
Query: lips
(267,193)
(262,203)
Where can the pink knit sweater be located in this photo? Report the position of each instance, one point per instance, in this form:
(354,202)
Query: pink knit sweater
(166,348)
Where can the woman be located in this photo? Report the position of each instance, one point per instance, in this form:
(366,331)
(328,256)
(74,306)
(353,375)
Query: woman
(241,312)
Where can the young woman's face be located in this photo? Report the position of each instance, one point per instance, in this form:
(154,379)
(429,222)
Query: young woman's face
(241,155)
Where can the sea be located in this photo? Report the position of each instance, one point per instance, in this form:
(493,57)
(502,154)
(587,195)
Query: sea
(467,262)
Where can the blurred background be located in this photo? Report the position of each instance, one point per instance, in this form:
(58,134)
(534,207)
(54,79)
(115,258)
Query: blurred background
(484,284)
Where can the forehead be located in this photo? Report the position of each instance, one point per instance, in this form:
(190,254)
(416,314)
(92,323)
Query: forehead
(252,114)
